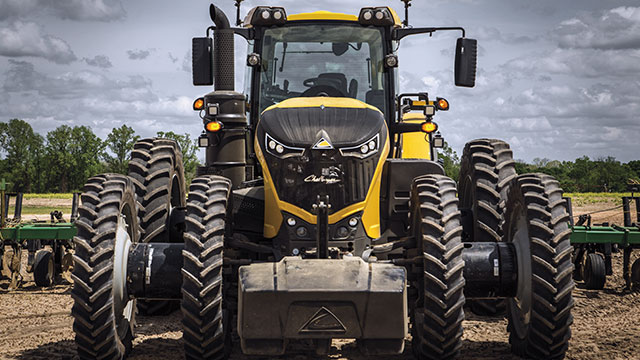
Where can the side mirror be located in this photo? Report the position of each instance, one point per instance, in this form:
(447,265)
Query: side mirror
(466,59)
(202,61)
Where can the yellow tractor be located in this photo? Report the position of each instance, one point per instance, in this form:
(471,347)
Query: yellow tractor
(322,211)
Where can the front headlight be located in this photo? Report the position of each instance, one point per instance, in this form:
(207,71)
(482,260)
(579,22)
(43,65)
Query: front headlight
(363,150)
(276,148)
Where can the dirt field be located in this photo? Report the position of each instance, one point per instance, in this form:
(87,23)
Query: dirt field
(36,324)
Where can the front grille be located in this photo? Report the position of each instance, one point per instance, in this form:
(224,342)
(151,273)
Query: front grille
(299,180)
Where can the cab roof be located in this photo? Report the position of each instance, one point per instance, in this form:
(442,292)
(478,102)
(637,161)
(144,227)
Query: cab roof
(322,15)
(328,15)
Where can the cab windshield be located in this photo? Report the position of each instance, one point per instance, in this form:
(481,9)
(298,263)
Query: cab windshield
(322,60)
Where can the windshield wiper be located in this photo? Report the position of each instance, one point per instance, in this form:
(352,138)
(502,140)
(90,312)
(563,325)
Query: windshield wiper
(284,53)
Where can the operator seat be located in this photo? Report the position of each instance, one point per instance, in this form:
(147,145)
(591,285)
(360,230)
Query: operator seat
(336,80)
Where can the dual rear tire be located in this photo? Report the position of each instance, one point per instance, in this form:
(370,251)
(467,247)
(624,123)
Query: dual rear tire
(157,171)
(486,170)
(536,222)
(113,217)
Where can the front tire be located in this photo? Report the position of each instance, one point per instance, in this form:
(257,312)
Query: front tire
(107,226)
(202,285)
(437,320)
(537,223)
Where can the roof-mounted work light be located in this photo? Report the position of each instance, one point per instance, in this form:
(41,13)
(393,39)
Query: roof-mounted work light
(265,16)
(380,16)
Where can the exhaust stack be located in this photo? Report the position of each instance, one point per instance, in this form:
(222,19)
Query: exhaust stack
(223,54)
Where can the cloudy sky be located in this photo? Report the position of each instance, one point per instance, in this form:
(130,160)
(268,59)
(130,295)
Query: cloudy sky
(557,78)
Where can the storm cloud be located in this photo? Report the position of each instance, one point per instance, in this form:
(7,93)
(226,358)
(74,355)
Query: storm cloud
(100,61)
(614,29)
(138,54)
(20,39)
(80,10)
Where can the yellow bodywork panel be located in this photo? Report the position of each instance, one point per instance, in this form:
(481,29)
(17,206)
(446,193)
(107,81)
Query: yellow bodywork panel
(328,15)
(415,145)
(273,206)
(339,102)
(322,15)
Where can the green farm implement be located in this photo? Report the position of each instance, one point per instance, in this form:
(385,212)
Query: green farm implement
(48,243)
(593,245)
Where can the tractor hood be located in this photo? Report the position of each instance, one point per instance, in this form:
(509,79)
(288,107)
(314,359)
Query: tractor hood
(313,146)
(302,122)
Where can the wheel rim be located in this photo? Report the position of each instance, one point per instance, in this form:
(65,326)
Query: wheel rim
(520,305)
(122,305)
(467,201)
(175,223)
(50,270)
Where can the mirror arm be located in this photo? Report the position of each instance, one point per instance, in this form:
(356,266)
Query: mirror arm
(247,33)
(400,33)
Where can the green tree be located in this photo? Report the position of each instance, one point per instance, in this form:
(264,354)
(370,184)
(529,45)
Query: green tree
(73,155)
(189,148)
(451,161)
(120,141)
(609,175)
(22,147)
(634,165)
(59,159)
(87,149)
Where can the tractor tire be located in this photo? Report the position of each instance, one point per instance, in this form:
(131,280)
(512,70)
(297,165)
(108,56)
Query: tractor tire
(537,223)
(486,169)
(437,319)
(204,333)
(43,268)
(595,273)
(107,226)
(157,170)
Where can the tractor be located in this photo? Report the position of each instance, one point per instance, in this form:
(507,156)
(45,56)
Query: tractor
(322,211)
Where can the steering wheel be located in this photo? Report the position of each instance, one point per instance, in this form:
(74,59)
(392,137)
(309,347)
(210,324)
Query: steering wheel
(323,90)
(310,82)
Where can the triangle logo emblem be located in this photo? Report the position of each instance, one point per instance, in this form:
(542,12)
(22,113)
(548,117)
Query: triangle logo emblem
(323,321)
(322,144)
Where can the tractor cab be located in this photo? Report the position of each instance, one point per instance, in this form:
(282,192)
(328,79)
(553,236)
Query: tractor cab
(320,54)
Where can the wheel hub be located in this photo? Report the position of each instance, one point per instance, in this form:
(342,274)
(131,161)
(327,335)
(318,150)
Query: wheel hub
(520,305)
(122,305)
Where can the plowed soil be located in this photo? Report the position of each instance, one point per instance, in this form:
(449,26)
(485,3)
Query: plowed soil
(36,323)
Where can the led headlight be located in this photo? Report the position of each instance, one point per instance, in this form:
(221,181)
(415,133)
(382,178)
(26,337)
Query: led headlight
(278,149)
(363,150)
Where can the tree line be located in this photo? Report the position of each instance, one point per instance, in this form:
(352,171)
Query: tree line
(67,156)
(582,175)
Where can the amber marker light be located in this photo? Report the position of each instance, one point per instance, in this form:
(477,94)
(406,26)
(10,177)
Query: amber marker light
(443,104)
(213,126)
(429,127)
(198,104)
